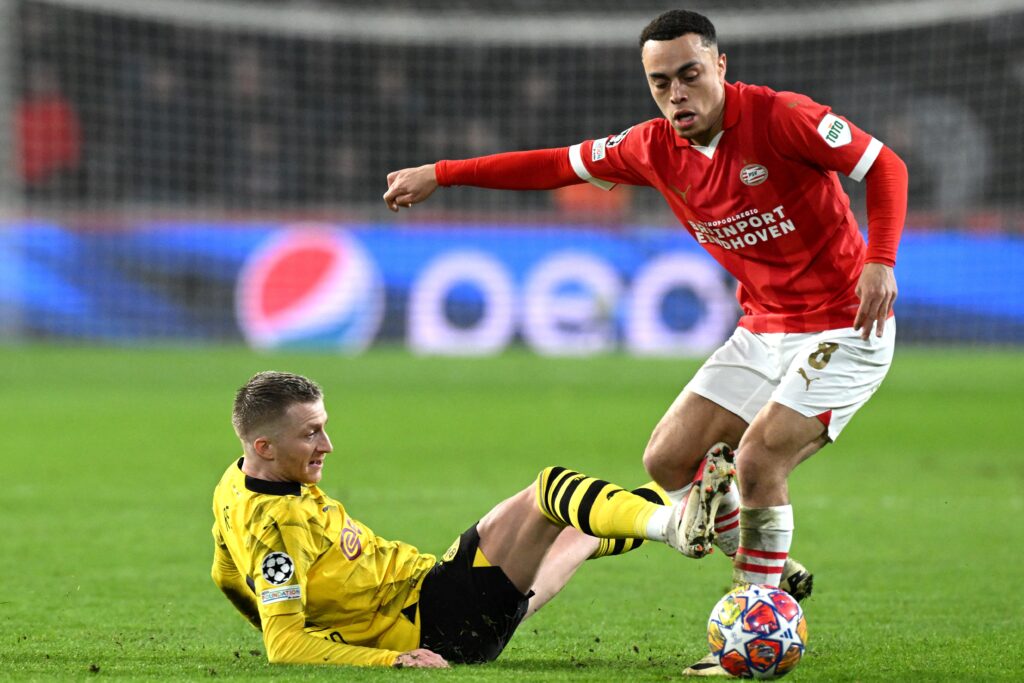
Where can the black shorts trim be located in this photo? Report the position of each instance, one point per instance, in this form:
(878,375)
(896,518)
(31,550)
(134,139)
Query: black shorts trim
(468,614)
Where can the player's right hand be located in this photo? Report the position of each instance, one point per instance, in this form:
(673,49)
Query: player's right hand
(420,659)
(410,186)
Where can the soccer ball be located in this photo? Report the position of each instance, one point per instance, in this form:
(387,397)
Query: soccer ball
(757,632)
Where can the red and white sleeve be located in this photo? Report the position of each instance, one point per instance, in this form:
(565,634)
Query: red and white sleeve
(603,162)
(803,129)
(609,161)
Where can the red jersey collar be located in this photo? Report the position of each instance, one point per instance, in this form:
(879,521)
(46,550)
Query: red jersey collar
(729,118)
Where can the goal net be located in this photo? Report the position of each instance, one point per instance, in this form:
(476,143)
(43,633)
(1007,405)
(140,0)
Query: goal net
(169,140)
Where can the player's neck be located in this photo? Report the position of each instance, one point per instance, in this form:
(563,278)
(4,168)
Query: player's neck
(253,467)
(706,138)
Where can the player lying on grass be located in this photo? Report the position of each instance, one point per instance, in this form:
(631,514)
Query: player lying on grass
(751,173)
(323,588)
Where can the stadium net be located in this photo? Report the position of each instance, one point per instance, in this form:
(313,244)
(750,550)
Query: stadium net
(124,112)
(223,105)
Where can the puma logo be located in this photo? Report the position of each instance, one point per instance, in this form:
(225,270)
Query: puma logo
(682,193)
(806,378)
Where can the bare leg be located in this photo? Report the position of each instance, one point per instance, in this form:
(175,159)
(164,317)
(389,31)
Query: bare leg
(569,552)
(518,534)
(682,437)
(690,427)
(778,440)
(516,537)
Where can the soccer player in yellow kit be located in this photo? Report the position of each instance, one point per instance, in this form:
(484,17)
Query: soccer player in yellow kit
(323,588)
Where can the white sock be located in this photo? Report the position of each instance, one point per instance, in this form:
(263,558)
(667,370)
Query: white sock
(765,537)
(679,495)
(657,525)
(727,522)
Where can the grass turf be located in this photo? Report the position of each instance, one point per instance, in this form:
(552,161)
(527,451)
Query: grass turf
(910,521)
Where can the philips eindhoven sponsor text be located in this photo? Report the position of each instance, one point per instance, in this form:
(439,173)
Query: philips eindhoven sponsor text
(744,229)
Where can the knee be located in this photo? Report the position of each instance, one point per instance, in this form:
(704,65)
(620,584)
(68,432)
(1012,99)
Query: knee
(672,456)
(651,460)
(749,473)
(520,510)
(747,468)
(659,454)
(757,468)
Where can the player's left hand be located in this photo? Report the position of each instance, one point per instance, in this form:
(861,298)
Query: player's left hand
(877,291)
(420,659)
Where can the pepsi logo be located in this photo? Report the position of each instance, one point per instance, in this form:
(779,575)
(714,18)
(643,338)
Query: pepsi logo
(309,286)
(753,174)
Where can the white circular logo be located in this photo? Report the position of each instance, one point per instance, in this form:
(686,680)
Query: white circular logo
(753,174)
(309,285)
(278,568)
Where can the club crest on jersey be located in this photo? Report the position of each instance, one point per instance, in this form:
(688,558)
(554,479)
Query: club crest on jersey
(351,544)
(278,568)
(834,131)
(753,174)
(613,142)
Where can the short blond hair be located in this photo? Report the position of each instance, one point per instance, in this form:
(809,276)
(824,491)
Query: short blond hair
(267,396)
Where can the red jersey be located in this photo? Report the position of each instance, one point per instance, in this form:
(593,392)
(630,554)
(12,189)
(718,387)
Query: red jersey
(763,199)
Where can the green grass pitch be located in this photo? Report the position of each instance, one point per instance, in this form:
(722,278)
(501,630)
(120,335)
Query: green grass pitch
(911,521)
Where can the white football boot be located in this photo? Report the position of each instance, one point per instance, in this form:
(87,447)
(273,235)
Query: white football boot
(691,526)
(708,667)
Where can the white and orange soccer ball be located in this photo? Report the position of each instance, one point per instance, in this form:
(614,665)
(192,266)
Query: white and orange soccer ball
(757,632)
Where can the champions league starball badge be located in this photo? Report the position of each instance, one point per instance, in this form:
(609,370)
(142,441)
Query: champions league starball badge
(278,568)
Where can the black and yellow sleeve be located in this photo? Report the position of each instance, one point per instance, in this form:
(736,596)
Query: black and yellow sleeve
(227,577)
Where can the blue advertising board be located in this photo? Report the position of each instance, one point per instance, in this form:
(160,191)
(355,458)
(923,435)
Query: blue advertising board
(447,289)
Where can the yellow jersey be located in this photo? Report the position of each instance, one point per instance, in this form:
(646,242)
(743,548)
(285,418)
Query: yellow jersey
(284,548)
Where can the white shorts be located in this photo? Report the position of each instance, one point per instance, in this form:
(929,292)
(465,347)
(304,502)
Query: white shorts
(828,375)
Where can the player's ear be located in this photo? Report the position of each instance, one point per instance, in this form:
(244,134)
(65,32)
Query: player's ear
(263,447)
(721,65)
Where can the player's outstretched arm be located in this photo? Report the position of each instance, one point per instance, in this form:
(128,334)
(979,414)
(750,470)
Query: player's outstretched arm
(420,659)
(410,186)
(538,169)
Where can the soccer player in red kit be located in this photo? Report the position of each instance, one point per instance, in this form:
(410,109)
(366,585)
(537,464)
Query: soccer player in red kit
(751,174)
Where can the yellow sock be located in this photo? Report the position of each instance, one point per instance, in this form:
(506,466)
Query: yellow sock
(594,506)
(620,546)
(607,547)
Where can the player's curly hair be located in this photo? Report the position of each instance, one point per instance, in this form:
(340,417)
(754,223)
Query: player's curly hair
(678,22)
(266,397)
